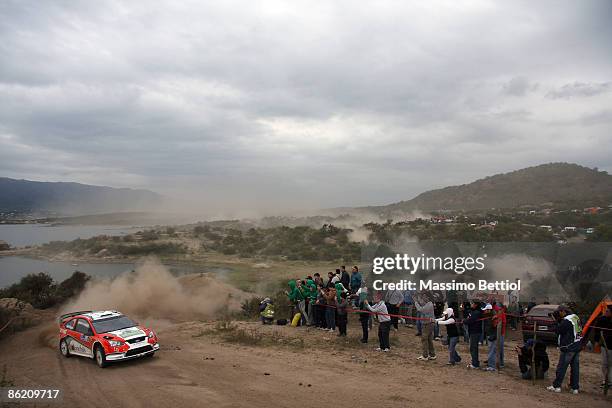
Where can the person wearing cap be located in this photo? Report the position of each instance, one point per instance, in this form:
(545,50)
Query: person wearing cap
(452,331)
(490,332)
(569,332)
(474,325)
(364,316)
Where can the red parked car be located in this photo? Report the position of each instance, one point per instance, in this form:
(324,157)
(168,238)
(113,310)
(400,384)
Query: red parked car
(546,325)
(105,336)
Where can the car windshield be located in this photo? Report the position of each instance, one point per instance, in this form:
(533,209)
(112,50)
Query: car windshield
(112,324)
(541,312)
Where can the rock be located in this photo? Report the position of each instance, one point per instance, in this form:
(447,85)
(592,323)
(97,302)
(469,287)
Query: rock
(4,246)
(261,265)
(330,241)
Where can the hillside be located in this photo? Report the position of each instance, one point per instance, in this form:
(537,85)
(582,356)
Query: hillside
(548,183)
(71,198)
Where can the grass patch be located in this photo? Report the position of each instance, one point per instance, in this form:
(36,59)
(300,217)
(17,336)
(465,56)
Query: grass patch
(231,332)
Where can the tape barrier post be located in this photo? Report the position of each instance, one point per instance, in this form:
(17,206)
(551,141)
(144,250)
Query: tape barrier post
(605,346)
(498,345)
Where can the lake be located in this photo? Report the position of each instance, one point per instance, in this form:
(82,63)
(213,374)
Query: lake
(13,268)
(20,235)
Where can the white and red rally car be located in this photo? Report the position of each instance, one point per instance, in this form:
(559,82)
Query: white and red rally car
(104,336)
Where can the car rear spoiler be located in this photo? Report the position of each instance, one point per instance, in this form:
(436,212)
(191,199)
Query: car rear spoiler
(69,315)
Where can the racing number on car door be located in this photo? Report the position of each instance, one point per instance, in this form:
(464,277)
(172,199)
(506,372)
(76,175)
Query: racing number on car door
(72,335)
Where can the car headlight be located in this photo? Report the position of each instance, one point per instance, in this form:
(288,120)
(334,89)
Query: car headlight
(115,343)
(151,334)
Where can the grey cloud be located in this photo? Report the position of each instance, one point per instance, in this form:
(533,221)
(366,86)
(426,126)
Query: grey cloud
(301,103)
(519,86)
(603,117)
(579,89)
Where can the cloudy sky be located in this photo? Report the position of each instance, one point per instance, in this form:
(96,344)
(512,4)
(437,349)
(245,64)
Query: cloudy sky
(270,105)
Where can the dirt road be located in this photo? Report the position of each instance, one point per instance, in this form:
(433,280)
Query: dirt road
(284,367)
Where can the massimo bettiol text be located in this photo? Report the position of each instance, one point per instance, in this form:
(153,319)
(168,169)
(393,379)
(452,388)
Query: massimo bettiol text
(412,264)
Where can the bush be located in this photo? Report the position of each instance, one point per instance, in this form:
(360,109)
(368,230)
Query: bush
(35,289)
(250,307)
(73,285)
(41,292)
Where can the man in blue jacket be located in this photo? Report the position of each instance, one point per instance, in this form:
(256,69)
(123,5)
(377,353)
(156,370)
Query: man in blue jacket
(569,331)
(474,325)
(355,280)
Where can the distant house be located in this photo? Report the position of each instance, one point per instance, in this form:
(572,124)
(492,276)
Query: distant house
(4,246)
(546,227)
(590,230)
(569,229)
(592,210)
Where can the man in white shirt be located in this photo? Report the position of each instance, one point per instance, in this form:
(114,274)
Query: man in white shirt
(384,322)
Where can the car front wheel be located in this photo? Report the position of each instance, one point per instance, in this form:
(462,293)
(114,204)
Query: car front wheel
(64,348)
(100,357)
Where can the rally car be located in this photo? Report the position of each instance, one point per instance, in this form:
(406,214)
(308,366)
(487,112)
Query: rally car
(105,336)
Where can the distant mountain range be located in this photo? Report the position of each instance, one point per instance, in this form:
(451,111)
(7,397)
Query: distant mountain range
(553,183)
(26,196)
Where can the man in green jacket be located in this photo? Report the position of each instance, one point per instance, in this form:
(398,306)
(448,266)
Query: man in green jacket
(296,296)
(311,298)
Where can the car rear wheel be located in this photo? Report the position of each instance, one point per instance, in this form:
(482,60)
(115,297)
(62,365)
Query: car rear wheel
(100,357)
(63,346)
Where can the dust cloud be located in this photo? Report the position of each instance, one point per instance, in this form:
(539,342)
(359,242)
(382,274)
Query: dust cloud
(151,292)
(533,273)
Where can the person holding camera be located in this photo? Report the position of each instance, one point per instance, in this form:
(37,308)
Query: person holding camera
(569,332)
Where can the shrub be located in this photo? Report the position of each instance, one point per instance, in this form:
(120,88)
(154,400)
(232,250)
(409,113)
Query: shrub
(41,292)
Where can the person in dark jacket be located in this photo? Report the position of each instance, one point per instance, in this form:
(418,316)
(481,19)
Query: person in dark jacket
(393,300)
(569,332)
(465,312)
(355,280)
(603,337)
(448,320)
(526,359)
(474,325)
(342,314)
(364,315)
(329,283)
(345,278)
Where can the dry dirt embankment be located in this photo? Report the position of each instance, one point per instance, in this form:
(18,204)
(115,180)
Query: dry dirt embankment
(245,364)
